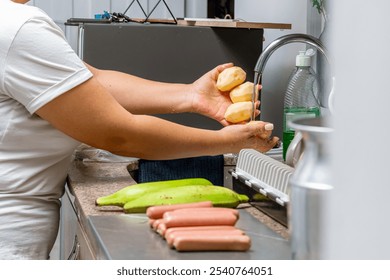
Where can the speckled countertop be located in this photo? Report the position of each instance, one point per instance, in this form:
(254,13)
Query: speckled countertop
(89,179)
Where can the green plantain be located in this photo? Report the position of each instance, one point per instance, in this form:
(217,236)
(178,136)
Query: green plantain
(219,196)
(129,193)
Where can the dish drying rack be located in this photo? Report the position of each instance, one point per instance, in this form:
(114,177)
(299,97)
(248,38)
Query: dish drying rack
(256,173)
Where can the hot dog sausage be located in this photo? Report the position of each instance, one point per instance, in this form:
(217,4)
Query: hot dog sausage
(202,228)
(156,212)
(156,223)
(161,228)
(210,210)
(172,219)
(151,221)
(202,242)
(170,238)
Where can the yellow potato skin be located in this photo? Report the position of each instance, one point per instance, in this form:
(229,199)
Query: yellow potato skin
(230,78)
(242,92)
(239,112)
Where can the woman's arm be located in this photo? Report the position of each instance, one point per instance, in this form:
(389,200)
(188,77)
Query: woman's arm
(90,114)
(141,96)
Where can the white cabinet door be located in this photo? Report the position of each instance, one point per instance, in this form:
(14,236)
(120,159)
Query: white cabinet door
(68,227)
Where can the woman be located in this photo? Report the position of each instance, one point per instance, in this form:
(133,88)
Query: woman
(50,102)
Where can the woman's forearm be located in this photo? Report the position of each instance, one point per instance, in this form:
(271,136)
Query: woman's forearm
(89,114)
(147,97)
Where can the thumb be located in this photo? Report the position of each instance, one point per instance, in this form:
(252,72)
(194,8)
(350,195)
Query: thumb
(217,70)
(262,128)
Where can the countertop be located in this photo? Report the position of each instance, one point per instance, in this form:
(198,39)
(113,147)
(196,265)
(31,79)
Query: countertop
(88,180)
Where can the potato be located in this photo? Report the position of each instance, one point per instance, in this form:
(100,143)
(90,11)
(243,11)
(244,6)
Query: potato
(239,112)
(242,92)
(230,78)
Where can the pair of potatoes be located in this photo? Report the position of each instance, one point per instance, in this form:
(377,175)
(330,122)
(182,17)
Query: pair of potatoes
(232,79)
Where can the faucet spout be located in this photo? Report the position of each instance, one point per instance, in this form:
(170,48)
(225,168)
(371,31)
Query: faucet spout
(291,38)
(273,46)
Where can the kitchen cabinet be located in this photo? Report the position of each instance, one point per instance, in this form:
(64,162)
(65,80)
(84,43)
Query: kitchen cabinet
(68,225)
(84,248)
(74,244)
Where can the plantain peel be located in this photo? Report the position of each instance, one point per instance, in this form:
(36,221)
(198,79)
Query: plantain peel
(129,193)
(219,196)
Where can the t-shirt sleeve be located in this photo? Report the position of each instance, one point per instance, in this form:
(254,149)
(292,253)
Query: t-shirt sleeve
(41,65)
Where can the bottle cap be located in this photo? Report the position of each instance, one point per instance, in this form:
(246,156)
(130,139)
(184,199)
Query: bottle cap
(303,59)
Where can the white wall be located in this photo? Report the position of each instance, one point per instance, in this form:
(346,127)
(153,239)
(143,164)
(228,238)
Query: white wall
(61,10)
(196,8)
(359,225)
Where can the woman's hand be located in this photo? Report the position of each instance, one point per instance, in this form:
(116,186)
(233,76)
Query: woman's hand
(253,135)
(208,100)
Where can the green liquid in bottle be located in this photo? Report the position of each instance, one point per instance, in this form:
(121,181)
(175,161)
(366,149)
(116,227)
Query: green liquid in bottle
(291,114)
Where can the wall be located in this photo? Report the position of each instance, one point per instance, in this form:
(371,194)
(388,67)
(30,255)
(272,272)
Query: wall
(61,10)
(359,212)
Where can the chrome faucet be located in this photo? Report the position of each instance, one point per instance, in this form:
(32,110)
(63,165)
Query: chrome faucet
(273,46)
(295,148)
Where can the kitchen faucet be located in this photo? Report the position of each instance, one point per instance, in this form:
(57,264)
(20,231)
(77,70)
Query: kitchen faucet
(295,148)
(273,46)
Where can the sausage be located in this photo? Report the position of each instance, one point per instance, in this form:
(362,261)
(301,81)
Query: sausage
(203,242)
(202,228)
(177,219)
(210,210)
(156,212)
(170,237)
(161,228)
(156,223)
(151,221)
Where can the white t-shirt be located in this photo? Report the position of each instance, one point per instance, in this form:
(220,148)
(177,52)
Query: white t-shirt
(36,66)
